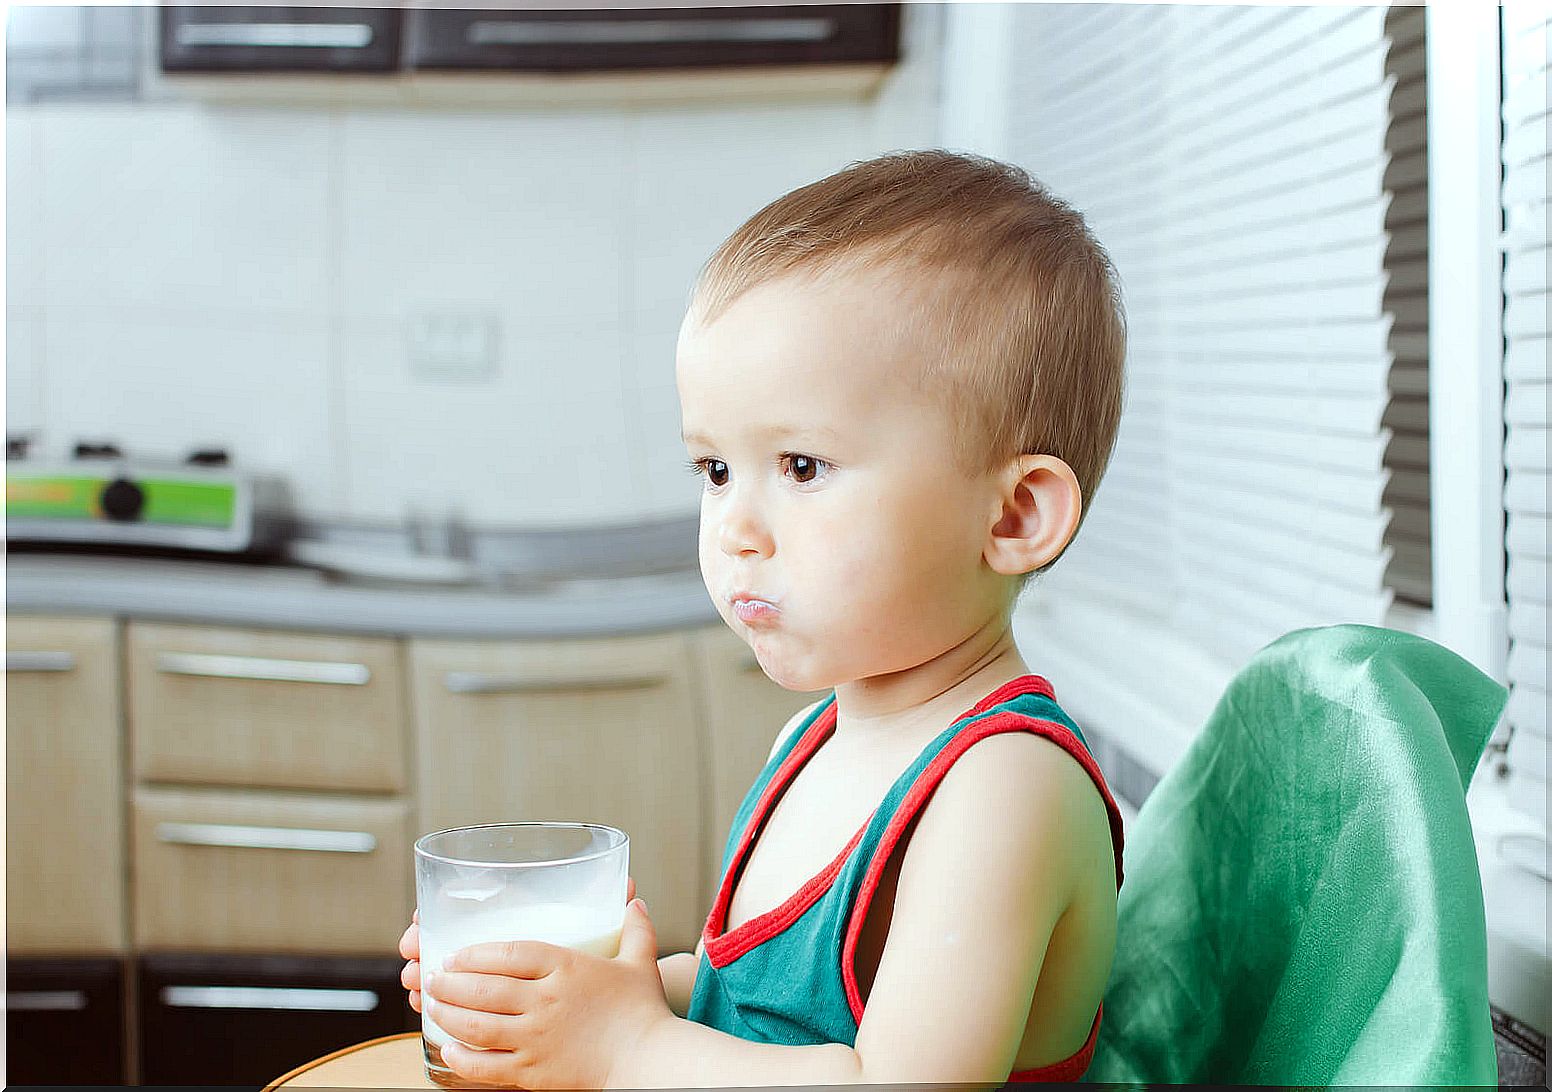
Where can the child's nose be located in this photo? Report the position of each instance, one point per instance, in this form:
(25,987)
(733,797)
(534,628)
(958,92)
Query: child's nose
(743,531)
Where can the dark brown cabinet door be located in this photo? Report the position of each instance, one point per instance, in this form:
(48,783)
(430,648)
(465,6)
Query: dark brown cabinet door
(279,39)
(210,1019)
(569,40)
(64,1021)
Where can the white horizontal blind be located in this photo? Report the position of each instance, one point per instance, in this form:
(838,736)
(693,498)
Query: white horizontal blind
(1525,196)
(1406,299)
(1232,160)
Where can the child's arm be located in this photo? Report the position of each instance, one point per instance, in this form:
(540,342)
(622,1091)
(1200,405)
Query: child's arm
(678,974)
(966,941)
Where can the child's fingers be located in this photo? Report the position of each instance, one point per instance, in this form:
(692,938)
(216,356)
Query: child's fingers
(409,943)
(410,976)
(415,1000)
(630,888)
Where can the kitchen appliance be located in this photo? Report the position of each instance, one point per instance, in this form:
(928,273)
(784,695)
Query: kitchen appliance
(98,497)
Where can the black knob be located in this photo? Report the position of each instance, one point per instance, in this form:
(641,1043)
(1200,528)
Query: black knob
(122,500)
(98,451)
(209,456)
(16,447)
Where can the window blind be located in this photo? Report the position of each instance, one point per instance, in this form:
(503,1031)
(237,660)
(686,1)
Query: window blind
(1526,301)
(1410,572)
(1233,161)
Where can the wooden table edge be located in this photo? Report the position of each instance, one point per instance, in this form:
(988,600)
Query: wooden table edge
(340,1053)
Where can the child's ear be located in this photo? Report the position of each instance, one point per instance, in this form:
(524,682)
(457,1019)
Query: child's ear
(1041,502)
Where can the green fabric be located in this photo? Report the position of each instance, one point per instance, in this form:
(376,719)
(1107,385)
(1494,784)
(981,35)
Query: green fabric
(1302,903)
(789,989)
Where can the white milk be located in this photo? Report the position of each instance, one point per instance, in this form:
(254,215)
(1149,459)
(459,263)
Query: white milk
(585,928)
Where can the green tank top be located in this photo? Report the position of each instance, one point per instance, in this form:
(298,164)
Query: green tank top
(788,976)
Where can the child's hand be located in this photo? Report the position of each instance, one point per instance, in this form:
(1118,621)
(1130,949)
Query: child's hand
(409,948)
(547,1016)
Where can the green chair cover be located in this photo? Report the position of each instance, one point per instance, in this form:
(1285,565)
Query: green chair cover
(1302,903)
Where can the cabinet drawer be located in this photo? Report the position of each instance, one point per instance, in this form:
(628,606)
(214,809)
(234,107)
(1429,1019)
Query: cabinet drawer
(592,730)
(245,1020)
(64,788)
(584,38)
(217,870)
(289,710)
(65,1021)
(221,38)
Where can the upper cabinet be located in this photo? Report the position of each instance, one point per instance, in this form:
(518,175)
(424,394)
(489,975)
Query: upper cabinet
(276,39)
(636,38)
(385,40)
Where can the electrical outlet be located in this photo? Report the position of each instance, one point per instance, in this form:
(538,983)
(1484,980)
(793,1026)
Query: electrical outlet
(453,345)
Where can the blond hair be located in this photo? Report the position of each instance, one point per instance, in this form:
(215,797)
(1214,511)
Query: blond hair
(1012,300)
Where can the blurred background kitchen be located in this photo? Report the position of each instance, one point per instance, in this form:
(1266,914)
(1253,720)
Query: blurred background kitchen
(345,498)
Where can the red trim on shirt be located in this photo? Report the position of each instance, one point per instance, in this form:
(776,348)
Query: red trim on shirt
(1068,1069)
(916,797)
(1024,684)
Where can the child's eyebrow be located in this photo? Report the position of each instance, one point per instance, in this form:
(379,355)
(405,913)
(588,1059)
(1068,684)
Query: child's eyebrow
(775,432)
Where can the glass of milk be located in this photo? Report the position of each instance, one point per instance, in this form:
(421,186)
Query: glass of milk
(562,883)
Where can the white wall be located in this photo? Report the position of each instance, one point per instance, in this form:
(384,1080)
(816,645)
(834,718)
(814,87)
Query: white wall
(183,273)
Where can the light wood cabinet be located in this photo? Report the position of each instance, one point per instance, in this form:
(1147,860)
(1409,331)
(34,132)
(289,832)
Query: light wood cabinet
(64,788)
(251,871)
(210,705)
(742,710)
(591,730)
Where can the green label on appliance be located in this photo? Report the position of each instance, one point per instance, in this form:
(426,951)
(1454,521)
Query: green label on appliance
(167,501)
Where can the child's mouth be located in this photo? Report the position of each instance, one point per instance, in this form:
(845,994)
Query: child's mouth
(750,611)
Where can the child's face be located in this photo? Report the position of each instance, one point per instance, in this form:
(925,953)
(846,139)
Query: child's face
(831,489)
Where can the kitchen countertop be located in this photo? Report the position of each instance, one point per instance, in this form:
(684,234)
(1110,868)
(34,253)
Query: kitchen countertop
(296,598)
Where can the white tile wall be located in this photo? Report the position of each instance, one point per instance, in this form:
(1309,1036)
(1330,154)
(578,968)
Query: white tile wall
(517,211)
(180,273)
(162,381)
(23,370)
(543,443)
(181,205)
(23,198)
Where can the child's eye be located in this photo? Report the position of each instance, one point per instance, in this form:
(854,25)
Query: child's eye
(805,468)
(715,470)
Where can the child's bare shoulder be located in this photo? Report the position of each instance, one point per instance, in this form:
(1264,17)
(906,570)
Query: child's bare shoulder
(792,725)
(1043,801)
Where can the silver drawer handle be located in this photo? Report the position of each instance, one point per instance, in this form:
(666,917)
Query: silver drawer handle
(40,661)
(472,682)
(268,997)
(314,35)
(46,1001)
(578,32)
(257,667)
(244,837)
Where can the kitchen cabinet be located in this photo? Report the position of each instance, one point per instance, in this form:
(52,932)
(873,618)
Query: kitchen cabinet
(588,730)
(232,38)
(64,788)
(256,871)
(211,705)
(742,711)
(65,1021)
(584,39)
(245,1020)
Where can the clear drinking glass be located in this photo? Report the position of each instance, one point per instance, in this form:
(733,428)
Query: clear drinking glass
(562,883)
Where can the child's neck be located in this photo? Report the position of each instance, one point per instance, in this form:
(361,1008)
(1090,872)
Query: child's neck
(930,695)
